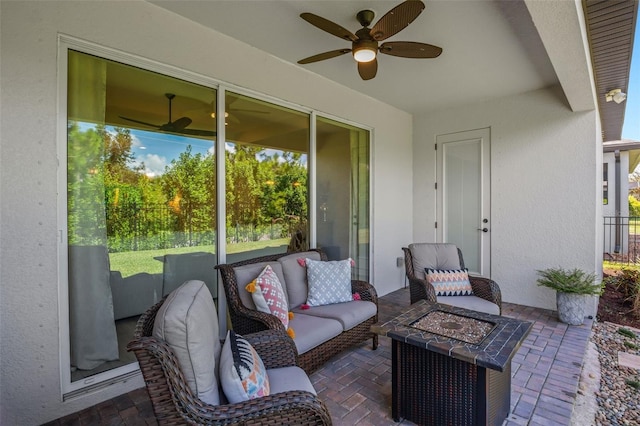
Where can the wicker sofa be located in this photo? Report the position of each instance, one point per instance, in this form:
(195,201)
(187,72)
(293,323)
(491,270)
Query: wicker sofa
(292,400)
(320,332)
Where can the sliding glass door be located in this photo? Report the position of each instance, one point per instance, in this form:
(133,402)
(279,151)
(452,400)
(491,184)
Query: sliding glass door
(141,199)
(342,182)
(142,216)
(267,149)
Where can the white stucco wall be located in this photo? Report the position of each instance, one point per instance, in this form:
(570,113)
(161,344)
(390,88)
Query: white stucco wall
(544,181)
(30,388)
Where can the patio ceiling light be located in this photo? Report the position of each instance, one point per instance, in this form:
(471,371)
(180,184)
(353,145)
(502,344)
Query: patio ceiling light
(616,95)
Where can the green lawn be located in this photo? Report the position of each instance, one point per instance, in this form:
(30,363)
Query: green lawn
(134,262)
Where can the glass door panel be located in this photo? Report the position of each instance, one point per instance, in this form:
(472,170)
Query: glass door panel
(267,148)
(141,202)
(342,176)
(462,202)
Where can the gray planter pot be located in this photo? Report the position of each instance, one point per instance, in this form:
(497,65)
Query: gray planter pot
(571,307)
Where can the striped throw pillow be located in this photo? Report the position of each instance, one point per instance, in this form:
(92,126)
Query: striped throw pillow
(450,282)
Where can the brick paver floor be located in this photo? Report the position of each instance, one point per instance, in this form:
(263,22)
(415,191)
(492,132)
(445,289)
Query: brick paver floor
(356,385)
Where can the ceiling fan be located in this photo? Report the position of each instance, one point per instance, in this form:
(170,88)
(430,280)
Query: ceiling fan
(178,126)
(365,42)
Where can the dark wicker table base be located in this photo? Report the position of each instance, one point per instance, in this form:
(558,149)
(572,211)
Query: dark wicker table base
(434,389)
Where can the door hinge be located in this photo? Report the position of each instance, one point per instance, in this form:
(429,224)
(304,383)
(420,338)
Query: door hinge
(435,146)
(436,225)
(436,185)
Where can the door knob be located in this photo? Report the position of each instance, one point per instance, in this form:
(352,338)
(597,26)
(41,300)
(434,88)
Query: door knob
(483,229)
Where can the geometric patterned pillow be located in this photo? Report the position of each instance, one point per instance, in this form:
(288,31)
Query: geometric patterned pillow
(242,372)
(268,295)
(452,282)
(329,282)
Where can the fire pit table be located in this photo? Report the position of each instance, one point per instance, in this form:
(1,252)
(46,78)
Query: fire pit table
(451,365)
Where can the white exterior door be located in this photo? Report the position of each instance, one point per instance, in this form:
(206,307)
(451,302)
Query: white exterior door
(463,196)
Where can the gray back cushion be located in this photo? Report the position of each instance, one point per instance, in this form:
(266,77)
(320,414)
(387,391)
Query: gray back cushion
(296,276)
(247,273)
(188,322)
(435,256)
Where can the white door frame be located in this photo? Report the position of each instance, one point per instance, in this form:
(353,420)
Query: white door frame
(483,138)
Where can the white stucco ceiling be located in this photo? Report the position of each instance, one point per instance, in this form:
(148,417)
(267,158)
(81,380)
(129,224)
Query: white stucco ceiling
(490,48)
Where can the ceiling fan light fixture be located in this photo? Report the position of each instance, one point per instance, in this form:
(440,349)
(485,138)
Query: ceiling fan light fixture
(365,50)
(364,54)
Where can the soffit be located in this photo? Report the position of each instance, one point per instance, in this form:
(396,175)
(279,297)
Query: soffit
(491,49)
(611,29)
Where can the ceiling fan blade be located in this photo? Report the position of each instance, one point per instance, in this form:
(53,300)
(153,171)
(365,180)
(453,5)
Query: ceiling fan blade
(181,123)
(323,56)
(368,70)
(328,26)
(139,122)
(197,132)
(396,19)
(410,49)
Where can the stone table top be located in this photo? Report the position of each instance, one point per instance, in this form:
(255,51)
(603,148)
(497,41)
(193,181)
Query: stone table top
(494,351)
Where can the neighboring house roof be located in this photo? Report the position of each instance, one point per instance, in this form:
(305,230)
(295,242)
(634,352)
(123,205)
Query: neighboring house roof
(611,29)
(632,146)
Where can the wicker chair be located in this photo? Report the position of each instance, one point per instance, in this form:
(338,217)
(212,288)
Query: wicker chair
(419,288)
(247,320)
(175,404)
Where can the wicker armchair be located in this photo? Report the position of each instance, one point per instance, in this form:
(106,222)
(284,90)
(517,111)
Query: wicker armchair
(174,403)
(419,288)
(246,320)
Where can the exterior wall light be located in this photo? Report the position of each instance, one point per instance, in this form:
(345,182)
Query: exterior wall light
(616,95)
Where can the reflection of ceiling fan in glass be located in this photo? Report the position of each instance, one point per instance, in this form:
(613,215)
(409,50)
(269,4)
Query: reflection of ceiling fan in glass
(232,113)
(178,126)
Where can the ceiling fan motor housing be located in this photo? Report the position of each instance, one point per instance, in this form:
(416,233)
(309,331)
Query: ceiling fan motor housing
(365,17)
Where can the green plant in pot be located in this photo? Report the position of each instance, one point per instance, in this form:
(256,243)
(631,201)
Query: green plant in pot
(573,289)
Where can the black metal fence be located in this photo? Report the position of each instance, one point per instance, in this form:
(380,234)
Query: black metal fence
(132,227)
(622,239)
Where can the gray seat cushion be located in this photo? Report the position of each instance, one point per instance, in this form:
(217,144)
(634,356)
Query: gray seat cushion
(288,379)
(247,273)
(296,277)
(433,255)
(474,303)
(311,331)
(349,314)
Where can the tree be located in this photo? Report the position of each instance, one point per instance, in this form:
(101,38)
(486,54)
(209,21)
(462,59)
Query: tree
(634,206)
(188,184)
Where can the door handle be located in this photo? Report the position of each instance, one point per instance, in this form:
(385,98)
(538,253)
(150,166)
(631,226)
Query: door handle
(483,229)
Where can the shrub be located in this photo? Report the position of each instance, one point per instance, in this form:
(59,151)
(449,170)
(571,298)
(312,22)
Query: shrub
(628,283)
(633,383)
(634,206)
(627,333)
(570,281)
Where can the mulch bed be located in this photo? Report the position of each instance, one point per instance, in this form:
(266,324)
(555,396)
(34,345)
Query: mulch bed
(613,308)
